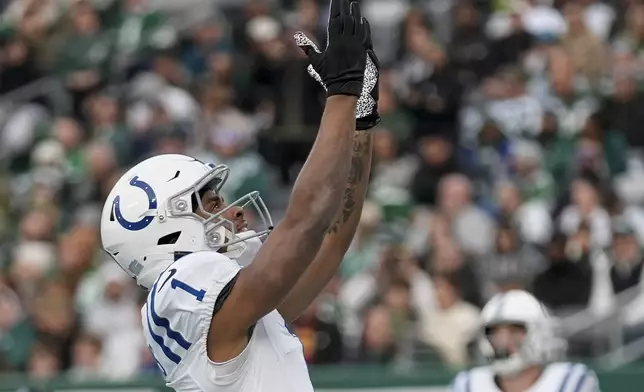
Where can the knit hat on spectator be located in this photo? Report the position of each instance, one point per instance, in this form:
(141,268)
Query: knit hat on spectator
(32,259)
(263,28)
(48,159)
(528,151)
(48,153)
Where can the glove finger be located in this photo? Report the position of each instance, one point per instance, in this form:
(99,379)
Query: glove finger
(334,26)
(367,40)
(336,8)
(355,11)
(306,44)
(348,23)
(348,26)
(345,7)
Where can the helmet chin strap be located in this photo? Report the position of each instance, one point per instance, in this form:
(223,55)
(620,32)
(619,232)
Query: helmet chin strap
(245,247)
(244,251)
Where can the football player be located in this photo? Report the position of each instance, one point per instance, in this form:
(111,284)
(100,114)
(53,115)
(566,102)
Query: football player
(219,299)
(520,343)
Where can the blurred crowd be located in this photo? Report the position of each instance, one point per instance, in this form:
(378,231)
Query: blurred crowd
(509,156)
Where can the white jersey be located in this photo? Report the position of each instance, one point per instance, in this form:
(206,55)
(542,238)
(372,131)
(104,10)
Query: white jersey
(176,320)
(556,377)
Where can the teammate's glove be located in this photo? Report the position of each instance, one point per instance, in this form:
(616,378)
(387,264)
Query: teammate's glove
(367,115)
(342,64)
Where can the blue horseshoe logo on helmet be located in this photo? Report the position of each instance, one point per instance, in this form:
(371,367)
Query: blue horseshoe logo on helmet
(152,205)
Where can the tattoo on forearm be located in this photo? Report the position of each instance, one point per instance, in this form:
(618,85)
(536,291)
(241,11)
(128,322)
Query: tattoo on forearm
(361,147)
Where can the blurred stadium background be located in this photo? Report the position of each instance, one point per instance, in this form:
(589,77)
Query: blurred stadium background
(510,155)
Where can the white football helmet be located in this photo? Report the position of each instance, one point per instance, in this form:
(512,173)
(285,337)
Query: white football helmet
(149,218)
(520,308)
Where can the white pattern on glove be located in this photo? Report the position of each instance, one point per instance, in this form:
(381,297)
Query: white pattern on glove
(366,104)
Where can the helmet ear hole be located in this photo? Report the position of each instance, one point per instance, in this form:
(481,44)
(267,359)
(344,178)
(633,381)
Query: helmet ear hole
(169,239)
(194,202)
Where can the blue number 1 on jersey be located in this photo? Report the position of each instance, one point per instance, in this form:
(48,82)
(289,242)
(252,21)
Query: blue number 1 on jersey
(198,294)
(176,283)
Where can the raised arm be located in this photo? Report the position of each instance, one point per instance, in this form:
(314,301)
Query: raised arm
(340,234)
(291,247)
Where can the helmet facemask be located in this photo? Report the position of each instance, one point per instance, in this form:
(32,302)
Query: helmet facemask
(538,346)
(220,233)
(510,358)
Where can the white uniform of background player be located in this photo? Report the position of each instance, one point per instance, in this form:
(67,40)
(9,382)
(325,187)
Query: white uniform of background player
(520,342)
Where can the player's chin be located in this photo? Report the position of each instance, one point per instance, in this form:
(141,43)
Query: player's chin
(241,227)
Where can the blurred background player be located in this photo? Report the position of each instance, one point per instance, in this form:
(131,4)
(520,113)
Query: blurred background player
(520,341)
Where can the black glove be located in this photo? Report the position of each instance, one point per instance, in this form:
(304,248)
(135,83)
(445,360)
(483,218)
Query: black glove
(341,67)
(367,115)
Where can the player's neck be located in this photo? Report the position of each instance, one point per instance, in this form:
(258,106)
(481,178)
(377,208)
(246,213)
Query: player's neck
(521,382)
